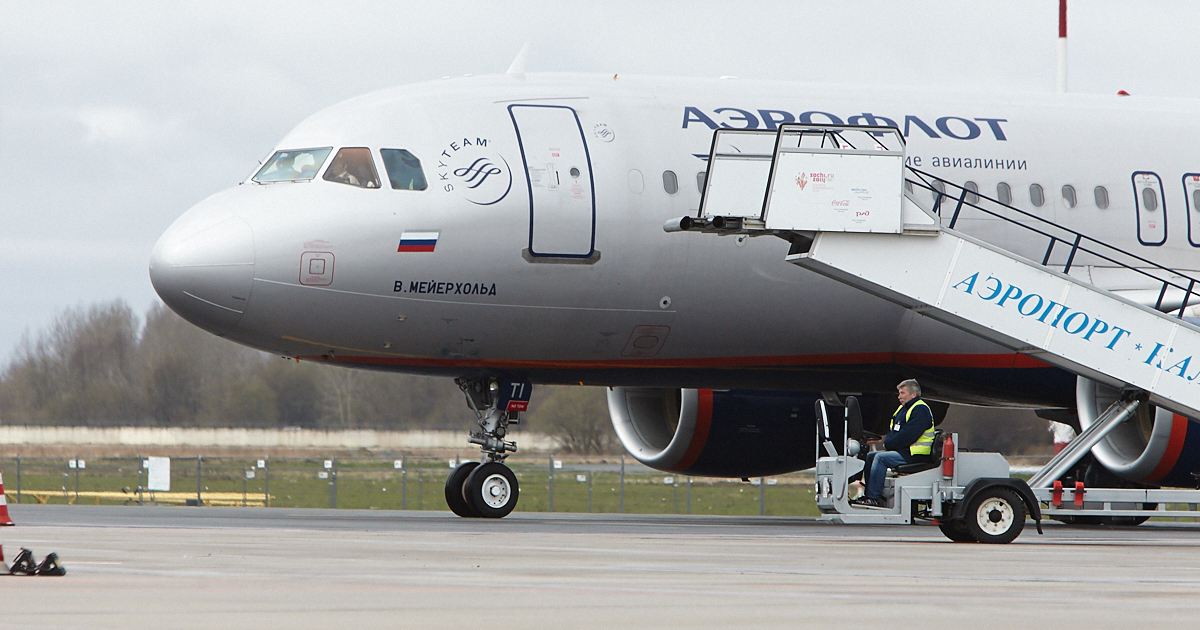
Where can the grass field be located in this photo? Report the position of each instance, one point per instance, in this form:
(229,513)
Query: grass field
(579,486)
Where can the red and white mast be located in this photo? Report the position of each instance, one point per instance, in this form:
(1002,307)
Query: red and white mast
(1062,45)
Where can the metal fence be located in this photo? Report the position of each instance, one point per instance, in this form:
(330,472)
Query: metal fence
(547,484)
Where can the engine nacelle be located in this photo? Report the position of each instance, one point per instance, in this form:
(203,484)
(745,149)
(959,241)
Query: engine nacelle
(736,433)
(1156,447)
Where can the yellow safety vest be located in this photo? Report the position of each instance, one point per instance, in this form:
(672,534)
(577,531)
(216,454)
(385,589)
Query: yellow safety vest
(924,444)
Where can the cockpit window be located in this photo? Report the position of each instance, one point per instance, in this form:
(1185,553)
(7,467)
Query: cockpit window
(293,165)
(403,169)
(353,166)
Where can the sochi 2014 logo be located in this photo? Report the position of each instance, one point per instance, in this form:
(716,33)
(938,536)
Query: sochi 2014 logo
(481,175)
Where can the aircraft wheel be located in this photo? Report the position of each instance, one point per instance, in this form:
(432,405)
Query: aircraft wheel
(956,531)
(456,488)
(492,490)
(995,515)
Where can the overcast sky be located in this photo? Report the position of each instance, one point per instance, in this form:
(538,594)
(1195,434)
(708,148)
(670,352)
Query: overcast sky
(117,117)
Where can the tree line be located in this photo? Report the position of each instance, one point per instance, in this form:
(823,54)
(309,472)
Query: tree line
(103,365)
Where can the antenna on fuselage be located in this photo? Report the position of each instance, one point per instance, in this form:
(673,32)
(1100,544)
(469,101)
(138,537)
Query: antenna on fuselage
(517,69)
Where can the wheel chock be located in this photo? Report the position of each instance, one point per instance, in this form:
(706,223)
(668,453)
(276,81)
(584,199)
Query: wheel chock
(50,566)
(23,564)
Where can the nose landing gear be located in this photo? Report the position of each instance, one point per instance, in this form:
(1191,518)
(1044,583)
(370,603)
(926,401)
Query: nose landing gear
(489,489)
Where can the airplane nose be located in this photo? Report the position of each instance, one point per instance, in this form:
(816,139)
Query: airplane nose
(203,268)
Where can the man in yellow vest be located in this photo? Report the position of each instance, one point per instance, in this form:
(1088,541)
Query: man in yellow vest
(909,440)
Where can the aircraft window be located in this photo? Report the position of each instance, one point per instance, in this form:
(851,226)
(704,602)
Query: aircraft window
(403,169)
(1196,200)
(353,166)
(1036,196)
(636,183)
(700,181)
(1068,193)
(972,189)
(1004,193)
(1150,199)
(293,165)
(670,182)
(1101,197)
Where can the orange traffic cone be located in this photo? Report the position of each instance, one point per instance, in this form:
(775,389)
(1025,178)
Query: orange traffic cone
(4,518)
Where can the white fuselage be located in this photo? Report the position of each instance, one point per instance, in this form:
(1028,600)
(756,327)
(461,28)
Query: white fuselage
(546,198)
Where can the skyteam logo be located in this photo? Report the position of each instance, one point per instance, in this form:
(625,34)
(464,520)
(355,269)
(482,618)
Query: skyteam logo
(472,170)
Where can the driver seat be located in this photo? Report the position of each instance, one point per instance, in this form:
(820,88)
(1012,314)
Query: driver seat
(935,457)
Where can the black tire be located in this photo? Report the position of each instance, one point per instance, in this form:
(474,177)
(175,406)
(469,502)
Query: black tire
(1111,521)
(995,515)
(1097,476)
(492,490)
(1132,521)
(956,531)
(455,490)
(1081,521)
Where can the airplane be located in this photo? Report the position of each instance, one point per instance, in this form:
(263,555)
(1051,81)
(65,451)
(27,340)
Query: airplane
(507,230)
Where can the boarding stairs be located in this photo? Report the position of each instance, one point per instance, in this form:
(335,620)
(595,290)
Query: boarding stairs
(853,211)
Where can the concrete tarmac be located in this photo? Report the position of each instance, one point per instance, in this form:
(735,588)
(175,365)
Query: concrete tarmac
(161,567)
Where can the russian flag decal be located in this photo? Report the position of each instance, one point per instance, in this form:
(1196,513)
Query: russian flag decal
(418,241)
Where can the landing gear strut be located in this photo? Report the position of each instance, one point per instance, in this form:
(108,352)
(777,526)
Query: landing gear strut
(489,489)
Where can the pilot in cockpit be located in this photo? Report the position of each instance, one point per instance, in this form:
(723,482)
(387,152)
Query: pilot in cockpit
(353,166)
(338,172)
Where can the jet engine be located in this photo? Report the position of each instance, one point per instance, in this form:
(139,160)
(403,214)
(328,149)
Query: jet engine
(702,432)
(1156,447)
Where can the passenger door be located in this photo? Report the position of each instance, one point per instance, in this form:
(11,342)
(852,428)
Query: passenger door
(1151,208)
(1191,196)
(558,173)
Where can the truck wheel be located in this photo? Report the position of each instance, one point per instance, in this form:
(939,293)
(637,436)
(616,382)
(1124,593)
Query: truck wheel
(1132,521)
(956,531)
(1119,521)
(995,515)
